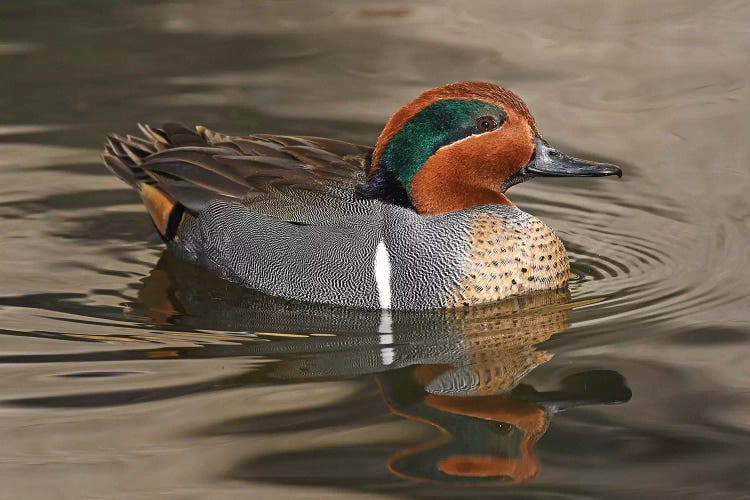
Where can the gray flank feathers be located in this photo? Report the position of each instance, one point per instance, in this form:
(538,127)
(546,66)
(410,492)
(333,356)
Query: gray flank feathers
(333,263)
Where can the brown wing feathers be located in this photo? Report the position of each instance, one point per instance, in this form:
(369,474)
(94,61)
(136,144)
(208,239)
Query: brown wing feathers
(174,167)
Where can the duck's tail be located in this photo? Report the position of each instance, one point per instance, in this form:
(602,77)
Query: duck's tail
(123,157)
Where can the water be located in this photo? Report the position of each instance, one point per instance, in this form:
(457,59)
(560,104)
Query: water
(127,374)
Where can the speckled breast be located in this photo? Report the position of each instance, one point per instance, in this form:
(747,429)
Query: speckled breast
(509,256)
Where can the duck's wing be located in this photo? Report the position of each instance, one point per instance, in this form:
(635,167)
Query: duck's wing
(265,172)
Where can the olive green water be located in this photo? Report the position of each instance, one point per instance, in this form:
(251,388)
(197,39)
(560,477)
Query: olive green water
(127,374)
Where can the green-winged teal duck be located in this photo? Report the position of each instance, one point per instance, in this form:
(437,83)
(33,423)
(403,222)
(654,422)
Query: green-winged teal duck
(419,221)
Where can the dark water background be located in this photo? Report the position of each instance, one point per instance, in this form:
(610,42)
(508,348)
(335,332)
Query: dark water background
(126,374)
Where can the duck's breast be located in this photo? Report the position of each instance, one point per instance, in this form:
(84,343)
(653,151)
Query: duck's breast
(473,256)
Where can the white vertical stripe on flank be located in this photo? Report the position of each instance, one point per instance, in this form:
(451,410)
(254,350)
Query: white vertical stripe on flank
(386,339)
(387,355)
(383,275)
(385,324)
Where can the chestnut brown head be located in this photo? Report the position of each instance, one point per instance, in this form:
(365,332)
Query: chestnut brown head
(463,145)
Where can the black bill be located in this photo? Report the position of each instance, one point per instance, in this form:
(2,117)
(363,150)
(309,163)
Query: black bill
(549,162)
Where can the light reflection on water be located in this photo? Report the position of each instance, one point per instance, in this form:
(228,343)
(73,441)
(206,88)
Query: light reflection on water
(126,372)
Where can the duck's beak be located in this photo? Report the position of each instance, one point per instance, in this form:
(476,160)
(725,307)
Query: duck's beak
(549,162)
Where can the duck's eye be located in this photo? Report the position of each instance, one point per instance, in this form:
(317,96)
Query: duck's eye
(486,123)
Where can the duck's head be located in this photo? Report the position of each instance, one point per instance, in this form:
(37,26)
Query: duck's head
(462,145)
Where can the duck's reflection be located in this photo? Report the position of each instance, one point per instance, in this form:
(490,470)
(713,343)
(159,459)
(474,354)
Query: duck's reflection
(460,371)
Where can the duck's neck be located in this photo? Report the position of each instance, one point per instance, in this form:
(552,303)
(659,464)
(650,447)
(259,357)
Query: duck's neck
(450,197)
(441,196)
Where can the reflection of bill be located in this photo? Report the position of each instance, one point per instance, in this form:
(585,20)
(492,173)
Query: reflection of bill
(460,371)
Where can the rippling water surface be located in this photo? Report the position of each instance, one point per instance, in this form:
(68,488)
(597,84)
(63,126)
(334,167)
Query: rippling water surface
(127,374)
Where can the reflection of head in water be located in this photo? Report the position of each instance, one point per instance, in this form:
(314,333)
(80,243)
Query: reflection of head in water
(481,438)
(485,439)
(458,370)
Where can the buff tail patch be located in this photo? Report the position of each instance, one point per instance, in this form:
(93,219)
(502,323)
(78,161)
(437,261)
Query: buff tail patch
(163,209)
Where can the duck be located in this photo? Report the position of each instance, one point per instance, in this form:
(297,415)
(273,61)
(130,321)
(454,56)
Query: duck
(419,221)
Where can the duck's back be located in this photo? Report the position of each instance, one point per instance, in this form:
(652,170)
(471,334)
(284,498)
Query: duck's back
(196,167)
